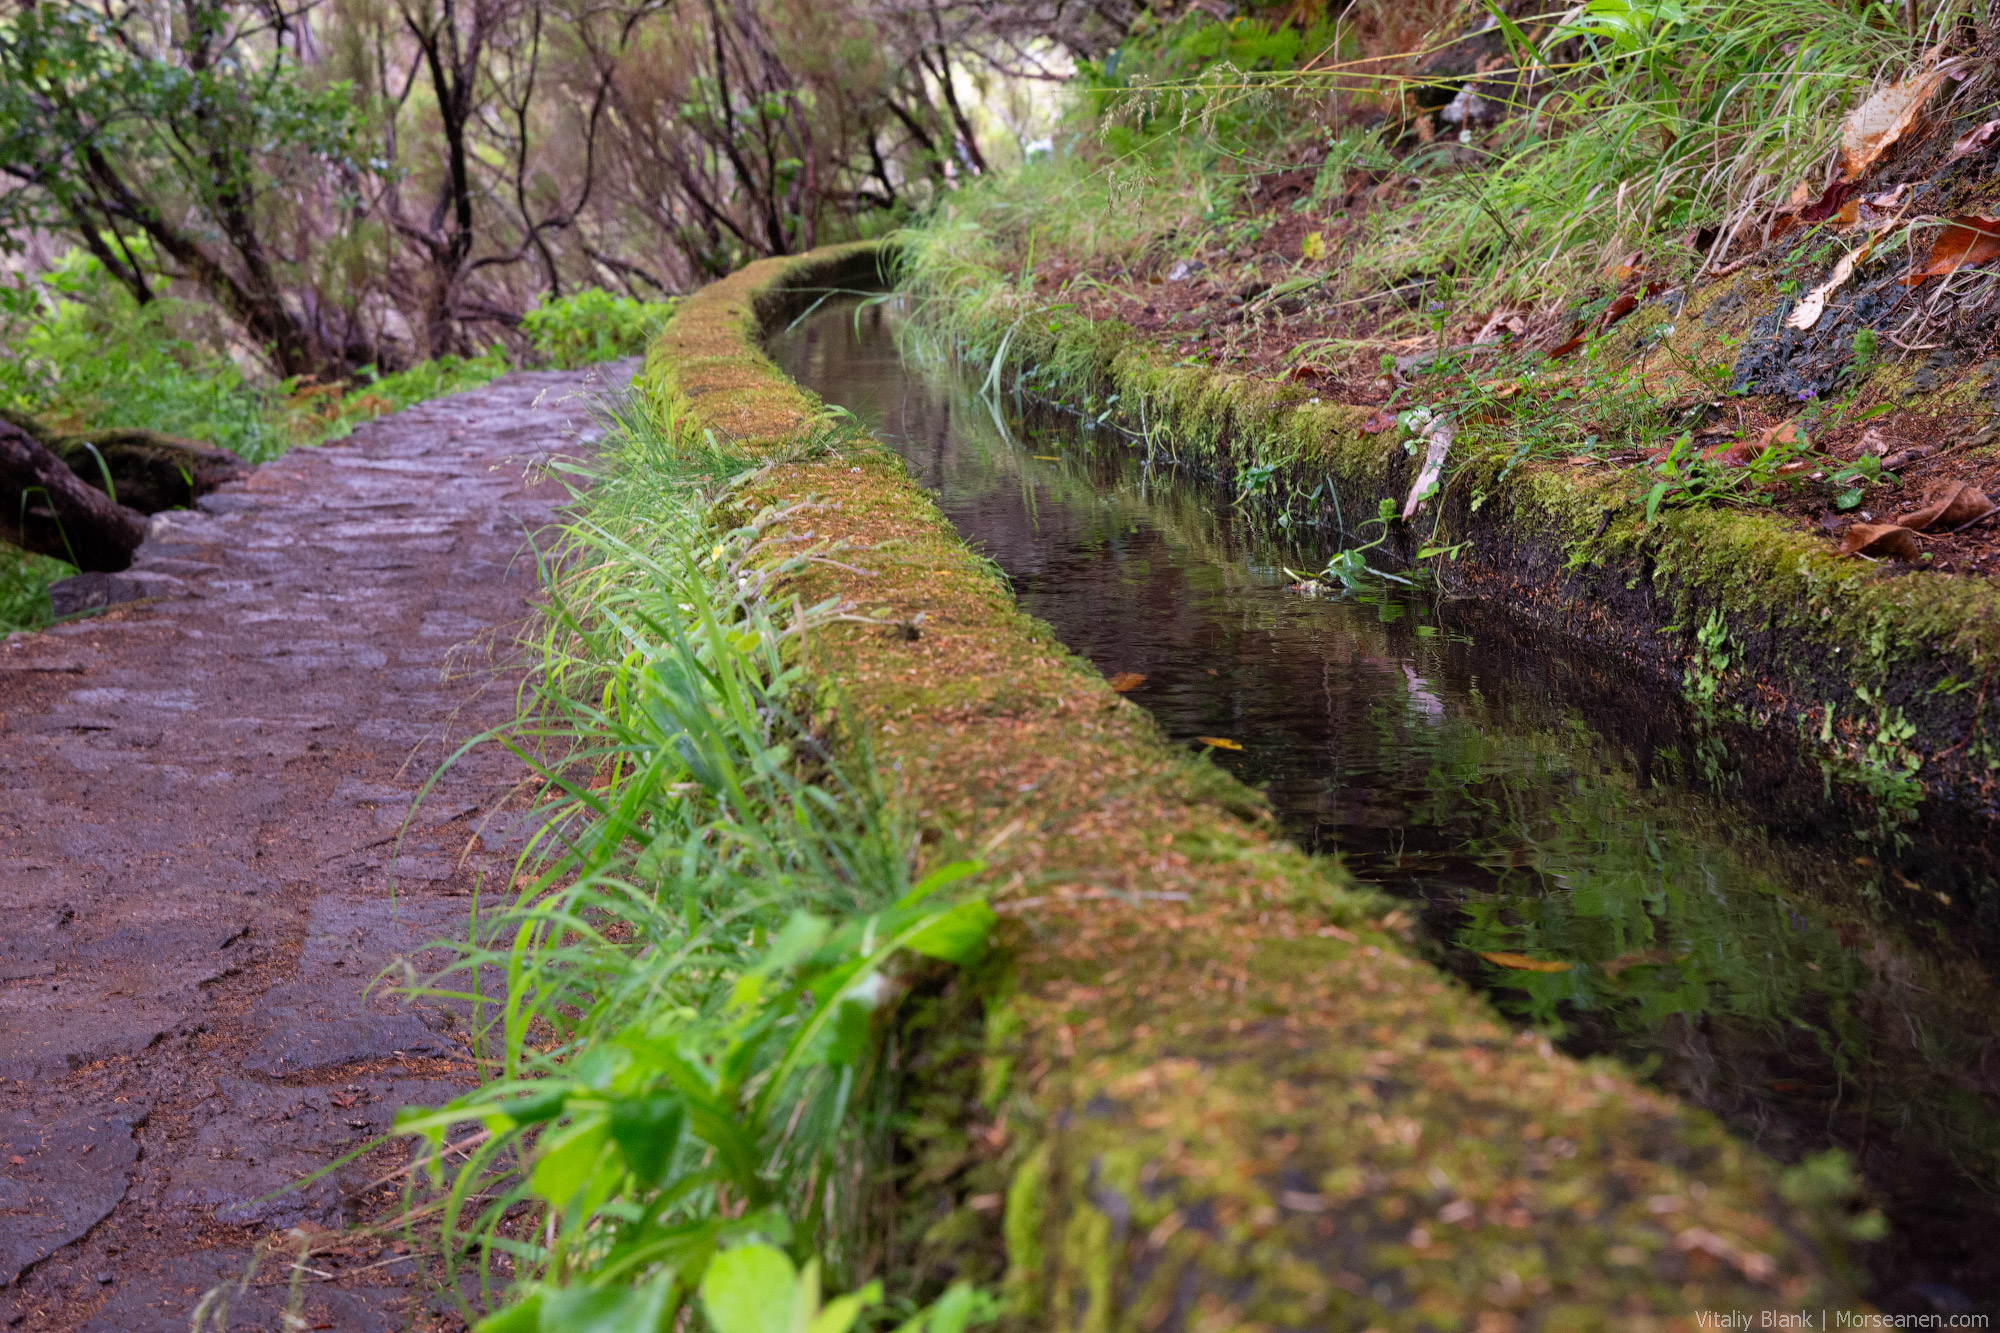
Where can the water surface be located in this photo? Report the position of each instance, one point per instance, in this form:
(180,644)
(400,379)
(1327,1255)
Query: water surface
(1711,914)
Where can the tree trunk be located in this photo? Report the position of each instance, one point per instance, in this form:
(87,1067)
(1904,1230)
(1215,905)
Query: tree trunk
(48,509)
(147,471)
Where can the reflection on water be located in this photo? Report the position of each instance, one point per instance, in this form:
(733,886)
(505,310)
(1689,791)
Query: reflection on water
(1559,830)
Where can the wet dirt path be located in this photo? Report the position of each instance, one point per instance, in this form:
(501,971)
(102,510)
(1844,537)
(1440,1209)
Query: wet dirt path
(200,873)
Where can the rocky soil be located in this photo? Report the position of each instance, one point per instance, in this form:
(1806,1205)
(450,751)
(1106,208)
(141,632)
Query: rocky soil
(208,854)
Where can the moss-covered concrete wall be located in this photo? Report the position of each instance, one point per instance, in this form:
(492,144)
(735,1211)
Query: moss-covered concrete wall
(1882,674)
(1203,1084)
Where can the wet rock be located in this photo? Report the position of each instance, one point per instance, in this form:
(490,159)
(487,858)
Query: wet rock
(162,1302)
(89,592)
(59,1178)
(306,1031)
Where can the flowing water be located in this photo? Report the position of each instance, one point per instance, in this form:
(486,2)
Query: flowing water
(1705,906)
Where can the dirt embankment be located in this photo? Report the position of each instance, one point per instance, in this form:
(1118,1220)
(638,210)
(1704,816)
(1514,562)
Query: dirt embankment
(204,863)
(1203,1083)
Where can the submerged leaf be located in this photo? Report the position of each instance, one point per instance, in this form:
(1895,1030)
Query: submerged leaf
(1948,505)
(1520,962)
(1872,128)
(1970,240)
(1127,681)
(1218,743)
(1879,540)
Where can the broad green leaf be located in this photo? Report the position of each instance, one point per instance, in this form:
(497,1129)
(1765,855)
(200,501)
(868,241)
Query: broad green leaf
(954,1309)
(958,936)
(841,1312)
(750,1289)
(567,1163)
(646,1131)
(644,1309)
(524,1317)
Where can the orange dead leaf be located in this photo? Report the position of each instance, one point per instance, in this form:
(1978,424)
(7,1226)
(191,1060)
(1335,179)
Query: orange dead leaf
(1127,681)
(1520,962)
(1306,371)
(1218,743)
(1969,240)
(1379,422)
(1947,505)
(1880,541)
(1640,958)
(1874,127)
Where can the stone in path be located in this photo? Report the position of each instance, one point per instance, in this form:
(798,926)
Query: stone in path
(204,859)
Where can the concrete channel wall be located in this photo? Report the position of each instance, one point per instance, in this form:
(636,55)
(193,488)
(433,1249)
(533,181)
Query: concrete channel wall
(1204,1083)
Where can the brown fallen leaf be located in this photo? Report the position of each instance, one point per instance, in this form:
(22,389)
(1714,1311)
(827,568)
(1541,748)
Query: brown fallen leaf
(1947,505)
(1127,681)
(1969,240)
(1379,422)
(1218,743)
(1879,540)
(1620,308)
(1641,958)
(1874,127)
(1433,469)
(1973,140)
(1829,205)
(1905,457)
(1305,370)
(1520,962)
(1743,451)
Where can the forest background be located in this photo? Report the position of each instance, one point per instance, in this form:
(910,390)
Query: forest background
(255,222)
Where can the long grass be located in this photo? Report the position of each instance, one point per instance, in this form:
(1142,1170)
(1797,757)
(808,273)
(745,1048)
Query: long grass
(1668,128)
(706,937)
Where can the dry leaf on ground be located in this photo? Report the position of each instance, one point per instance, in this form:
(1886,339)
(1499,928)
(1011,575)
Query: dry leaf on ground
(1218,742)
(1872,128)
(1382,419)
(1973,140)
(1947,505)
(1741,452)
(1814,303)
(1520,962)
(1969,240)
(1126,681)
(1880,540)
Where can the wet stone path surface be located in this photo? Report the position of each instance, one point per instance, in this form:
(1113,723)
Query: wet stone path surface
(204,861)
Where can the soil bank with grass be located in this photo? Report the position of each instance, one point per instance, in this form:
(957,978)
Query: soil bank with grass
(1202,1081)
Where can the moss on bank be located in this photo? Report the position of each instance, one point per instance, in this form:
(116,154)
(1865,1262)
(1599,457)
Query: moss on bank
(1882,673)
(1212,1090)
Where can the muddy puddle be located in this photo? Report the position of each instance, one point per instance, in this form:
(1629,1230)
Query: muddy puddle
(1693,901)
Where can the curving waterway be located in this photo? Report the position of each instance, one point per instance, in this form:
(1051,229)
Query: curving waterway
(1704,906)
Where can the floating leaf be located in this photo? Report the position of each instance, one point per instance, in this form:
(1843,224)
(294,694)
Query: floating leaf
(1218,742)
(1879,540)
(1127,681)
(1872,128)
(1969,240)
(1520,962)
(1046,458)
(1948,505)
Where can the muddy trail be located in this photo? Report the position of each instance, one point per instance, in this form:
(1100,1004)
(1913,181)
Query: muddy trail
(1637,881)
(204,863)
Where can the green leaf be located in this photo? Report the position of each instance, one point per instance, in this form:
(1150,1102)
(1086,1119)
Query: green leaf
(1653,498)
(750,1289)
(954,1309)
(939,878)
(646,1309)
(647,1130)
(524,1317)
(841,1312)
(1848,499)
(568,1159)
(958,936)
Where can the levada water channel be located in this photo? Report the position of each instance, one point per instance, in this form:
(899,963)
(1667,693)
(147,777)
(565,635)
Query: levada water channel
(1716,915)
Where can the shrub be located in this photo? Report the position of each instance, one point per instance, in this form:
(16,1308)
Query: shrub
(593,325)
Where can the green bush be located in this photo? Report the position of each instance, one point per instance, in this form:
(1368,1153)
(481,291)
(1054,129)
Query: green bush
(84,355)
(574,331)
